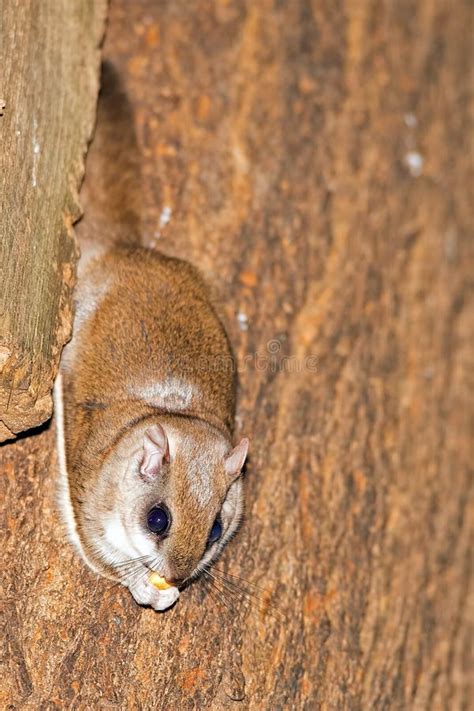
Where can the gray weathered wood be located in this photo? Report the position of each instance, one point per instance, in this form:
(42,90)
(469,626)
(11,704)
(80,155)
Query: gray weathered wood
(49,82)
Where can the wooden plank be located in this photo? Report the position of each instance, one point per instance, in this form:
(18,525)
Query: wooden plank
(49,80)
(313,160)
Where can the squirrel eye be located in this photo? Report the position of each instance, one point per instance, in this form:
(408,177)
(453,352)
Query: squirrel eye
(158,520)
(216,532)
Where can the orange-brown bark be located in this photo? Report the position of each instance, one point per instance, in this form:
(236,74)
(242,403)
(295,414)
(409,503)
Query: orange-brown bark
(313,160)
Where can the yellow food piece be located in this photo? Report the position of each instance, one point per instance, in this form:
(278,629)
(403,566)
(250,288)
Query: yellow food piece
(158,582)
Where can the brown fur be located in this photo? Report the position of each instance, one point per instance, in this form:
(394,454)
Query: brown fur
(147,348)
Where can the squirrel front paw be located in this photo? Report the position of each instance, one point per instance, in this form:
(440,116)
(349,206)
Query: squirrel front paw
(147,594)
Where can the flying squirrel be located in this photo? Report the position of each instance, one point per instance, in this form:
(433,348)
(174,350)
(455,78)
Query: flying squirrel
(151,485)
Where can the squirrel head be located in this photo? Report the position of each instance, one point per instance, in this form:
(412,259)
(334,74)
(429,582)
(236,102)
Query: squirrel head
(169,496)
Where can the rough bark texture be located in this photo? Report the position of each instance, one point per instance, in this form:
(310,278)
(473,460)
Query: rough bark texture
(49,82)
(313,160)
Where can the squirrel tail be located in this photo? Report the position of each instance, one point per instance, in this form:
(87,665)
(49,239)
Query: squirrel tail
(111,193)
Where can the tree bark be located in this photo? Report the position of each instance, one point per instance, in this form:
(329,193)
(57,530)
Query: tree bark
(313,160)
(50,62)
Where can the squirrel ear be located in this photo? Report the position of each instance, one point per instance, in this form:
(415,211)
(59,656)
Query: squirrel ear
(155,450)
(234,461)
